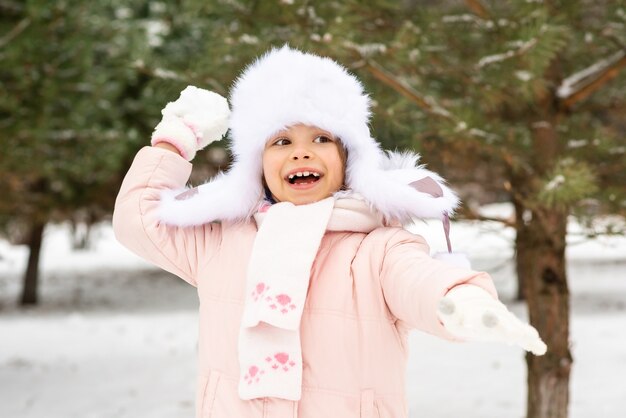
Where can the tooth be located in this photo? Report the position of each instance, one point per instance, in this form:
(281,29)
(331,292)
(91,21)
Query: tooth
(299,174)
(316,174)
(291,176)
(306,173)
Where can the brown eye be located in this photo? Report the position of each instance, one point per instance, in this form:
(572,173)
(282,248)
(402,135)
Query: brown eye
(322,139)
(282,141)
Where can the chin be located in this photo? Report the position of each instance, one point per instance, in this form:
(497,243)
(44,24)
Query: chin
(305,200)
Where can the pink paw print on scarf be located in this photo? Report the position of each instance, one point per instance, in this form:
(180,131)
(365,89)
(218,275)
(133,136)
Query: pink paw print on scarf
(253,375)
(259,291)
(282,302)
(280,361)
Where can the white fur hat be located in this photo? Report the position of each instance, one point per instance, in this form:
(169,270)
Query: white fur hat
(286,87)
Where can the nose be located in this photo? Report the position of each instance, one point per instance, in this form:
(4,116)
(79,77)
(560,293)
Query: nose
(301,153)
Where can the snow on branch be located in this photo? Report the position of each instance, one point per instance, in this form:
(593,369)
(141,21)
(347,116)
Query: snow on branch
(157,72)
(366,50)
(581,84)
(465,18)
(428,104)
(490,59)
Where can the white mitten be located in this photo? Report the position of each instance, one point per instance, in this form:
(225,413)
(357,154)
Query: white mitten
(197,118)
(471,313)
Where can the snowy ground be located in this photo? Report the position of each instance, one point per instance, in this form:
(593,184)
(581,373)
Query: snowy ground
(114,337)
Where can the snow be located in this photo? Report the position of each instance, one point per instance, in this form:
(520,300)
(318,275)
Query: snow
(482,134)
(248,39)
(523,47)
(115,337)
(490,59)
(568,86)
(459,18)
(523,75)
(460,126)
(577,143)
(123,13)
(367,49)
(557,181)
(155,31)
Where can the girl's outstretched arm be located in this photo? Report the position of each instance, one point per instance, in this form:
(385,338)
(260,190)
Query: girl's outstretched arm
(413,283)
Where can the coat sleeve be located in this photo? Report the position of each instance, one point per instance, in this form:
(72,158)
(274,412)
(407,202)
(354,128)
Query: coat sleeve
(413,283)
(136,224)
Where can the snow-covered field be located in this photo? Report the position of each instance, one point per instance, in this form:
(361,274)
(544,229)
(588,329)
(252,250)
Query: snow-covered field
(114,337)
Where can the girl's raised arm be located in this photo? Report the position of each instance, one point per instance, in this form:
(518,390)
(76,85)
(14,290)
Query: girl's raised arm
(190,123)
(135,218)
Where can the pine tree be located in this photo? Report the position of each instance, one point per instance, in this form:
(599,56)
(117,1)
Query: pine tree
(65,105)
(526,87)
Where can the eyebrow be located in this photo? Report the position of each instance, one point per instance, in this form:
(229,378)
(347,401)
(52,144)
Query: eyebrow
(318,131)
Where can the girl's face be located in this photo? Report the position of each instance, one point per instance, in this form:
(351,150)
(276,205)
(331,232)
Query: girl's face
(303,164)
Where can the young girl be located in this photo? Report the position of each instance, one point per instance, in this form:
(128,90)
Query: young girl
(308,283)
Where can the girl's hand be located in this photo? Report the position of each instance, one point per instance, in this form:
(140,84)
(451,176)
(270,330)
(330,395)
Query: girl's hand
(469,312)
(197,118)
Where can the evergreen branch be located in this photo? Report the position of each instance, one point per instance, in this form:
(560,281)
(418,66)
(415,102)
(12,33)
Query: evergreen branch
(582,84)
(407,91)
(608,34)
(426,104)
(164,74)
(469,214)
(523,48)
(434,109)
(429,106)
(394,82)
(13,33)
(478,8)
(11,8)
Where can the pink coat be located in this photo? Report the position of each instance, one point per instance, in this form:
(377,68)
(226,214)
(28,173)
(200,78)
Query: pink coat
(366,292)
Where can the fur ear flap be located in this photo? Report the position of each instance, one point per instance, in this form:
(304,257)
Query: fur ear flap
(228,197)
(403,190)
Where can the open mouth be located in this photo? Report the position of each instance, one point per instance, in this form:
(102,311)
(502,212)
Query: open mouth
(304,177)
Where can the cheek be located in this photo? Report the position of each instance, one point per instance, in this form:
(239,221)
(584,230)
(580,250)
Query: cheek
(271,174)
(270,168)
(336,167)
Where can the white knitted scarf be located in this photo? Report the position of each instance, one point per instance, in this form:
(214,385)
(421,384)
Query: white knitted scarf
(284,249)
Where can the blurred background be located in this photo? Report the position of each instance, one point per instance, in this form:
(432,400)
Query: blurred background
(520,104)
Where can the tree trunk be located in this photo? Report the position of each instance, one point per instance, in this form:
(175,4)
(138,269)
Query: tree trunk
(522,256)
(29,291)
(541,250)
(81,235)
